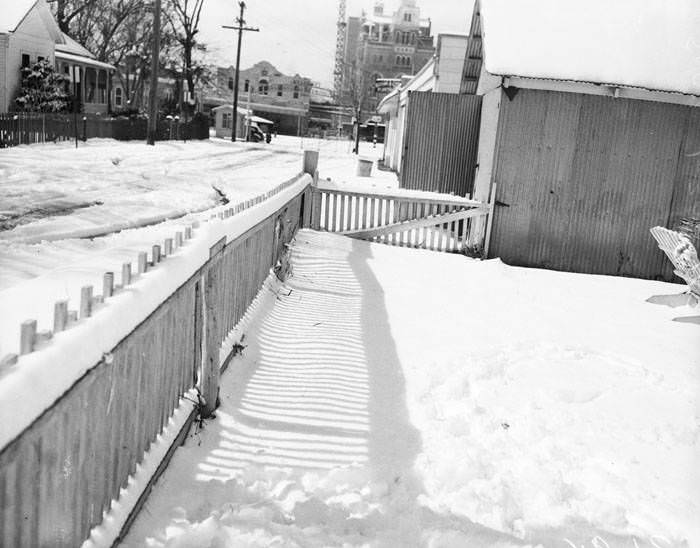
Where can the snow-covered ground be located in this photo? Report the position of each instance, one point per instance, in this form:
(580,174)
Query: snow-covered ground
(392,397)
(72,215)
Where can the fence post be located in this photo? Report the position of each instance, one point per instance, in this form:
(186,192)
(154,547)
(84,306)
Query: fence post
(489,221)
(210,353)
(310,162)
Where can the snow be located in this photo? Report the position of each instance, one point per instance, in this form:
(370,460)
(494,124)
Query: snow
(649,44)
(393,397)
(51,192)
(145,183)
(107,185)
(84,344)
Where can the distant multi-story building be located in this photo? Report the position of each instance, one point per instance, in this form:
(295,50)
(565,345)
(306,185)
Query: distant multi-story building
(381,46)
(269,93)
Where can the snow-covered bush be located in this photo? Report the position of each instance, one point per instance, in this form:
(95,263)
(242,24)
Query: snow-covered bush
(43,89)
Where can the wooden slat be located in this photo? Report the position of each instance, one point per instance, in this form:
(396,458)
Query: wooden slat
(416,223)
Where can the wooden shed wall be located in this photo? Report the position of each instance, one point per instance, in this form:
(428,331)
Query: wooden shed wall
(582,178)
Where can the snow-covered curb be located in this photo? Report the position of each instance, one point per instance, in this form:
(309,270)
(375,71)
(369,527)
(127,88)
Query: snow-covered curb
(35,382)
(107,533)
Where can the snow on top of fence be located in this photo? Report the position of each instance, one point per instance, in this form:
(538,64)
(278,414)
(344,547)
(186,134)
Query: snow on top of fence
(34,381)
(393,192)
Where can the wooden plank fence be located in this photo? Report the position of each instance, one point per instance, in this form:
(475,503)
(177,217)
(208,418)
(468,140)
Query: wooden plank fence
(63,472)
(438,222)
(26,128)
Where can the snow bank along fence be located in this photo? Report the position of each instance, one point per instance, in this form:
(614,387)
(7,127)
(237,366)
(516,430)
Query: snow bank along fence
(25,128)
(64,463)
(425,220)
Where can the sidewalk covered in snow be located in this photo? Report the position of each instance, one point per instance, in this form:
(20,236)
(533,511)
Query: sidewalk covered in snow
(394,397)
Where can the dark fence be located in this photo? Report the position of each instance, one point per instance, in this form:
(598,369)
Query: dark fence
(27,128)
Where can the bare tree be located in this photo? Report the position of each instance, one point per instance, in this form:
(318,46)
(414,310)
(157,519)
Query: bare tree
(183,17)
(359,84)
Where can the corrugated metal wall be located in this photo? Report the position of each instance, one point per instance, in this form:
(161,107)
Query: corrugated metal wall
(582,178)
(440,142)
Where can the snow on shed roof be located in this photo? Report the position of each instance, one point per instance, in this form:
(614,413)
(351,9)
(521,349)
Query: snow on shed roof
(653,44)
(12,13)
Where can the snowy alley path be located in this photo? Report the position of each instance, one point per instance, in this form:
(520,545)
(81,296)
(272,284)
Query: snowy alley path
(366,412)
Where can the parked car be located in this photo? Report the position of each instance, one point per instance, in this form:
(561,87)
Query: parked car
(255,134)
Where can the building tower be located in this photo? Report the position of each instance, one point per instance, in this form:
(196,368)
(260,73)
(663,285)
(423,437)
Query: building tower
(339,53)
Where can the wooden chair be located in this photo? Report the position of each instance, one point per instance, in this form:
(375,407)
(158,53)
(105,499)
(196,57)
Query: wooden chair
(683,255)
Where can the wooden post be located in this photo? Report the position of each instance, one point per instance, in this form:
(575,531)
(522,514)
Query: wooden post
(188,233)
(85,301)
(143,262)
(178,239)
(126,274)
(60,316)
(108,285)
(168,247)
(155,255)
(316,208)
(489,221)
(27,337)
(210,357)
(310,162)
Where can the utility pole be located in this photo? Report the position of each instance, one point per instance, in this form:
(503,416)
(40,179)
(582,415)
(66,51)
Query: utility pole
(153,92)
(240,28)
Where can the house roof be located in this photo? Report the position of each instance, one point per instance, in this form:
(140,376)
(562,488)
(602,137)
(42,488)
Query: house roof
(91,61)
(12,13)
(71,46)
(652,44)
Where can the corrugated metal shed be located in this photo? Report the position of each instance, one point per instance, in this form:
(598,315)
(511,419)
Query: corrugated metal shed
(440,143)
(582,178)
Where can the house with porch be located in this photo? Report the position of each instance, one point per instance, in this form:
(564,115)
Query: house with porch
(29,33)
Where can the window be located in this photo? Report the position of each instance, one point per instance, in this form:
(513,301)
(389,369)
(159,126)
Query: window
(118,97)
(227,120)
(407,17)
(90,85)
(263,86)
(296,92)
(264,72)
(246,85)
(230,83)
(40,59)
(279,90)
(25,60)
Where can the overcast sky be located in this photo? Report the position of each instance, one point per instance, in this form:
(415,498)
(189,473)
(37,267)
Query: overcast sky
(298,36)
